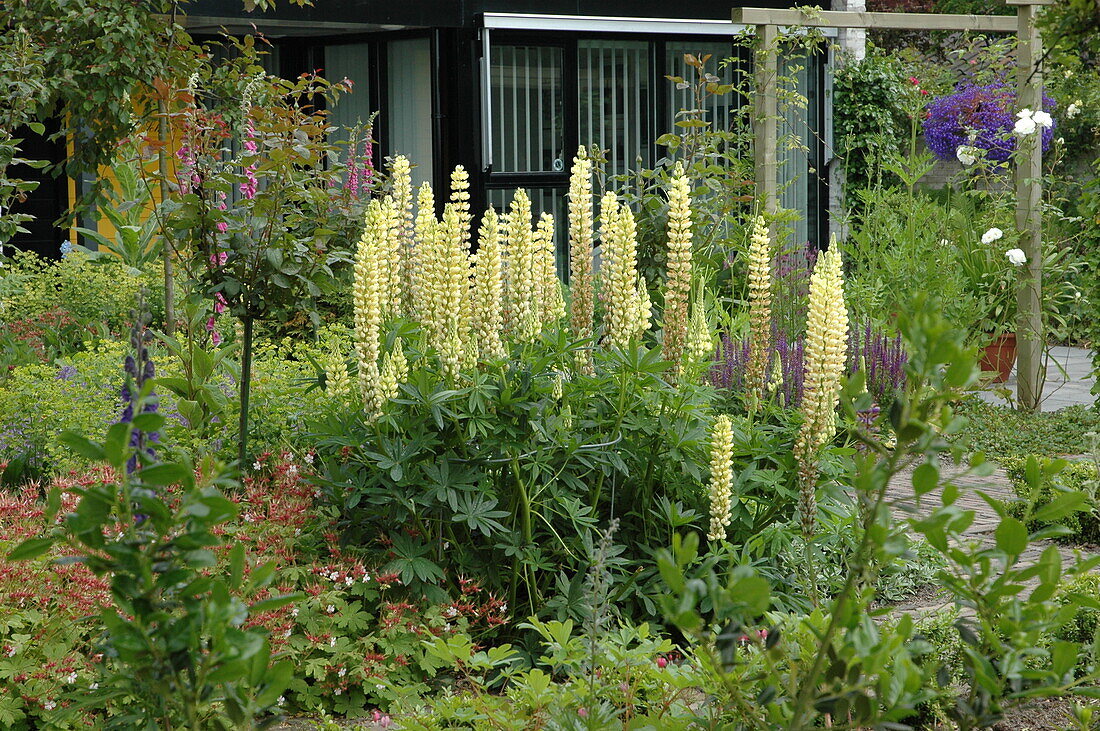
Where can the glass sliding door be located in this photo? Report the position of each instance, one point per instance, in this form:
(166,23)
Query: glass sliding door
(408,130)
(614,99)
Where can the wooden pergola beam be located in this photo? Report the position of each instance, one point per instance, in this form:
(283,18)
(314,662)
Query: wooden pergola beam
(886,21)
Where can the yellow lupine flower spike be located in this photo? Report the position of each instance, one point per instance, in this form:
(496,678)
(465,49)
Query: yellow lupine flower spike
(824,360)
(582,285)
(721,477)
(760,311)
(678,280)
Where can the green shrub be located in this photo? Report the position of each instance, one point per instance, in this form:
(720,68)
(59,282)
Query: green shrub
(83,395)
(1084,526)
(41,400)
(95,293)
(1082,628)
(1004,434)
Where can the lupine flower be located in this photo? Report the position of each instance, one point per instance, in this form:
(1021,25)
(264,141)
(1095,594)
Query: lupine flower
(1017,257)
(401,180)
(369,270)
(337,378)
(643,309)
(391,258)
(760,310)
(522,292)
(139,369)
(700,341)
(582,287)
(447,290)
(488,291)
(395,370)
(551,302)
(620,262)
(825,356)
(415,256)
(678,280)
(460,197)
(721,477)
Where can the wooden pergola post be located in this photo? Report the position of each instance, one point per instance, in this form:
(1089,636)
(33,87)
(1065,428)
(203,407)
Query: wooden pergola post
(1028,173)
(766,117)
(1029,214)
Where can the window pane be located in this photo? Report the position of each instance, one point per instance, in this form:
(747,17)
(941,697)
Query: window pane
(526,83)
(351,62)
(410,105)
(795,137)
(614,101)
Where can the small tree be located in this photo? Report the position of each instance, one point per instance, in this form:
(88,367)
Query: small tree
(254,197)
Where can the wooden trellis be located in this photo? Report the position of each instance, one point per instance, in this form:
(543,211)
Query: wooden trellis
(1028,171)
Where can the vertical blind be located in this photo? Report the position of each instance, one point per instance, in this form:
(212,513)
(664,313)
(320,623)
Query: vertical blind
(615,101)
(527,93)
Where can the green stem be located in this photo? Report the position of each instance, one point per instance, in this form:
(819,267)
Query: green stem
(246,387)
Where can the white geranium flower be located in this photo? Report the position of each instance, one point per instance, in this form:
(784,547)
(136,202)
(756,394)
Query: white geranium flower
(967,155)
(1016,257)
(1024,126)
(1043,119)
(992,235)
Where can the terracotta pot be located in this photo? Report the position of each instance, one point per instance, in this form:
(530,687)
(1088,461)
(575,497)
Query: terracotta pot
(1000,356)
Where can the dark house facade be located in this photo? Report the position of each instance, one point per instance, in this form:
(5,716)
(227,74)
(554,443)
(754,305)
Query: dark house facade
(509,88)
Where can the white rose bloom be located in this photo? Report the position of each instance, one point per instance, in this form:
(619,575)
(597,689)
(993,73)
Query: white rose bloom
(966,155)
(1073,109)
(1024,126)
(992,235)
(1042,119)
(1024,113)
(1016,256)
